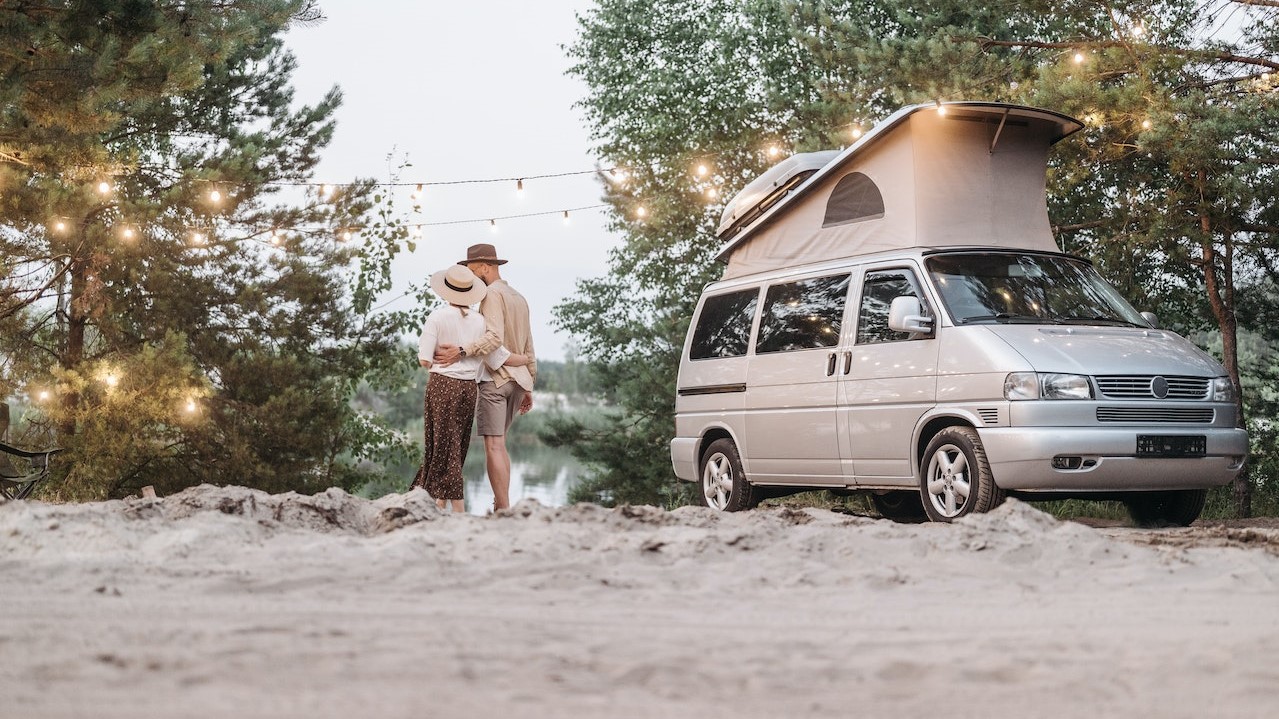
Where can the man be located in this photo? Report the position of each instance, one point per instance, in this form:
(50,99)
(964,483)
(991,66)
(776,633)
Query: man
(505,390)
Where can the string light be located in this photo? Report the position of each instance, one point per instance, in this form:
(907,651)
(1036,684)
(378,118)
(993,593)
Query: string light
(44,395)
(493,225)
(566,220)
(417,194)
(941,109)
(519,188)
(774,151)
(111,380)
(712,193)
(215,196)
(60,226)
(104,187)
(326,190)
(197,238)
(275,237)
(346,235)
(1079,58)
(417,231)
(190,406)
(1145,124)
(857,131)
(702,170)
(127,233)
(641,212)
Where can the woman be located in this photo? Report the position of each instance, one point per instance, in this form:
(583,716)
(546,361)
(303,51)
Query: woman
(449,406)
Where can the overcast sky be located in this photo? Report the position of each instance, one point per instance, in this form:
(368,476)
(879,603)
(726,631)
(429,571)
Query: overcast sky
(465,91)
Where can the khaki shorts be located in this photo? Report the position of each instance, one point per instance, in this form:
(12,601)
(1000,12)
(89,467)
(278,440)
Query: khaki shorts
(495,410)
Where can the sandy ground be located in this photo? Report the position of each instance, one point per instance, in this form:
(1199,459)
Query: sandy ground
(225,602)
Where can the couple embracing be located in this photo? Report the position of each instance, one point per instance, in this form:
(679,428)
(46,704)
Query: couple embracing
(481,365)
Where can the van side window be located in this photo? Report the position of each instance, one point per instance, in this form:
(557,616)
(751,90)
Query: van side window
(878,291)
(802,315)
(724,326)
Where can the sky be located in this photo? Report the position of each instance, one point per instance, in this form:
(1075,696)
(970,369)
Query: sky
(466,91)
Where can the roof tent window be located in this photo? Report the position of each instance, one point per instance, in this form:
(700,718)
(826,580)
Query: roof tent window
(854,199)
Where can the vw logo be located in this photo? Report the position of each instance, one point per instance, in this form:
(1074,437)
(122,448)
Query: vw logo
(1159,387)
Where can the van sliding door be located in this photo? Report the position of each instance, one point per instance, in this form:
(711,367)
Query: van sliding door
(792,383)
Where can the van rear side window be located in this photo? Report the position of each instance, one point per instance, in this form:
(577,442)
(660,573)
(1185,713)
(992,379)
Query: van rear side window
(802,315)
(724,327)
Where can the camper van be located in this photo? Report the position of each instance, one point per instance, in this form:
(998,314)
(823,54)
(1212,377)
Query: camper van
(896,318)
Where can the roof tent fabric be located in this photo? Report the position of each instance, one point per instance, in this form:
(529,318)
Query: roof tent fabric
(971,175)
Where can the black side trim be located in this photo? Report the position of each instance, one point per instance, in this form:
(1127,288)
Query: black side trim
(712,389)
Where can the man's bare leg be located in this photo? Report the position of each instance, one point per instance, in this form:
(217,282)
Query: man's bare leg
(499,469)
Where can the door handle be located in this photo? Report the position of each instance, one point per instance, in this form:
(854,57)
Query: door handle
(830,364)
(848,362)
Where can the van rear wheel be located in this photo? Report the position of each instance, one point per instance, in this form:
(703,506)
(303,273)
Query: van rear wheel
(724,485)
(1171,508)
(954,476)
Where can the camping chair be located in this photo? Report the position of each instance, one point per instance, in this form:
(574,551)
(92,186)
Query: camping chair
(15,483)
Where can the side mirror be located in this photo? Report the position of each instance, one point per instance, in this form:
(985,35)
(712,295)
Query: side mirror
(1152,318)
(906,315)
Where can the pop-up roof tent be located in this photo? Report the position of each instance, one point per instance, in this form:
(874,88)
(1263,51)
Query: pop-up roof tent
(953,174)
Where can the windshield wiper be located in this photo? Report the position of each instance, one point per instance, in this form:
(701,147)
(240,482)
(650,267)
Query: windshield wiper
(1012,319)
(1099,319)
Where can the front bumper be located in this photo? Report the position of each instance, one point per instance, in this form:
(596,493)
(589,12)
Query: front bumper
(1021,458)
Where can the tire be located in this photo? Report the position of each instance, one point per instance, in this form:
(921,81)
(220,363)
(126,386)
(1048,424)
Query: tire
(724,485)
(899,506)
(1173,508)
(954,476)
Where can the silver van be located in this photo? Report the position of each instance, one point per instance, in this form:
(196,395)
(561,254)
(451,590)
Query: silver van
(919,338)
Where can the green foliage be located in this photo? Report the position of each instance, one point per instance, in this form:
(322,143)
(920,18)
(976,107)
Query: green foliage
(251,303)
(1170,188)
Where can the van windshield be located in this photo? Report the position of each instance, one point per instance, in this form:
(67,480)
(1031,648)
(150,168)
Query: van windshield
(1010,287)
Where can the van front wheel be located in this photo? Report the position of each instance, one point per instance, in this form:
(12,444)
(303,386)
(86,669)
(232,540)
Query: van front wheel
(724,485)
(954,476)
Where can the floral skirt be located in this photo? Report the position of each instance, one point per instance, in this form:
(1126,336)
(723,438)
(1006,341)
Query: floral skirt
(448,411)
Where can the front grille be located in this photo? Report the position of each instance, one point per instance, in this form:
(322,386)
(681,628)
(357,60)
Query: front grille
(1186,415)
(1142,387)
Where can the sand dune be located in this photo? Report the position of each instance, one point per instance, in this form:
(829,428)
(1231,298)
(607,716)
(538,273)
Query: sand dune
(226,602)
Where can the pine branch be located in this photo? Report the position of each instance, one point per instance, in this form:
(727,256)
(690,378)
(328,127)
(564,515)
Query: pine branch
(987,42)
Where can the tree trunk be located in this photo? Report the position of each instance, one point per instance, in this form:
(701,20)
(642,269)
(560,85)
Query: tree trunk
(73,350)
(1221,297)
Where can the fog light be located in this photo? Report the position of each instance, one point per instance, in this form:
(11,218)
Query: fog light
(1067,462)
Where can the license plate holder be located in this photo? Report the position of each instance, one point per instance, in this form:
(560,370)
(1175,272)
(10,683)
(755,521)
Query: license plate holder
(1171,445)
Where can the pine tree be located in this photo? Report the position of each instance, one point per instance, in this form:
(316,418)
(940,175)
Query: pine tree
(176,293)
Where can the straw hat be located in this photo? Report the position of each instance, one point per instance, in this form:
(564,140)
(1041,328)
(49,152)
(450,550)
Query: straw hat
(458,286)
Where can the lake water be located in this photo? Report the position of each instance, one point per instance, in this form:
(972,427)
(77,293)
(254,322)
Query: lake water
(546,474)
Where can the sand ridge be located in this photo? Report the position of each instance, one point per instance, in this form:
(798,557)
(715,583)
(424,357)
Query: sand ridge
(224,601)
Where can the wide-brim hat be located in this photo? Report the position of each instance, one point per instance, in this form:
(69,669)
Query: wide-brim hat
(458,286)
(482,253)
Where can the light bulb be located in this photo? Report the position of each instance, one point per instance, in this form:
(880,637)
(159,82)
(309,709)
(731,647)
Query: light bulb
(190,405)
(111,380)
(701,170)
(941,109)
(519,188)
(104,187)
(346,235)
(1079,58)
(493,225)
(326,190)
(417,194)
(1138,30)
(417,231)
(712,193)
(857,132)
(619,175)
(566,220)
(641,211)
(44,394)
(1145,124)
(774,151)
(60,226)
(215,196)
(127,232)
(197,238)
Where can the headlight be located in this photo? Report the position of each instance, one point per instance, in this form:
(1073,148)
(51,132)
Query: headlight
(1223,390)
(1046,385)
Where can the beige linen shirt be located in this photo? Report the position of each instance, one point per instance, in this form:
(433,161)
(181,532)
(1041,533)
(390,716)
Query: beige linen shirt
(506,324)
